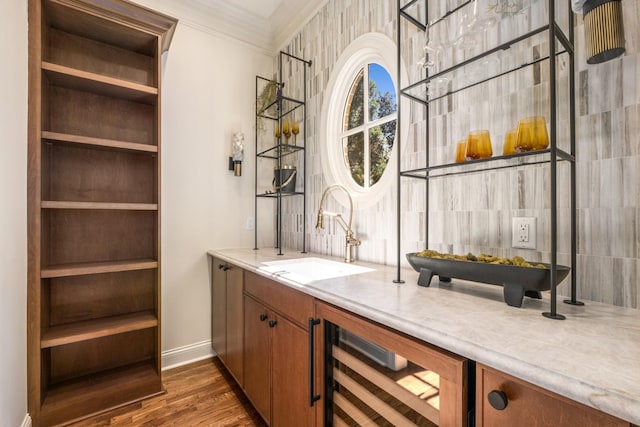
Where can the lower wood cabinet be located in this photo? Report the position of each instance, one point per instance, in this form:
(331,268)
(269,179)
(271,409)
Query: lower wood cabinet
(502,400)
(227,318)
(257,358)
(276,352)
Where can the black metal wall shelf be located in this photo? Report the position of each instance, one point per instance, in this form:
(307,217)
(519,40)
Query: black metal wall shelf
(510,161)
(415,90)
(416,13)
(279,151)
(280,194)
(405,12)
(281,106)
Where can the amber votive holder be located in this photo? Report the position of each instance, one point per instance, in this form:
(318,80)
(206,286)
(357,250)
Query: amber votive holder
(478,145)
(510,142)
(461,151)
(532,134)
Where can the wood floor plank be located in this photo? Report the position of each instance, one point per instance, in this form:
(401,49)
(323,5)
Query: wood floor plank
(199,394)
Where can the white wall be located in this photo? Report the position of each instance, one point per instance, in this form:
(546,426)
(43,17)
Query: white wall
(13,214)
(208,92)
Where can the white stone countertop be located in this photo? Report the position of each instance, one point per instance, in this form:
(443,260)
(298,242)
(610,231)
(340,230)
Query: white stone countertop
(592,357)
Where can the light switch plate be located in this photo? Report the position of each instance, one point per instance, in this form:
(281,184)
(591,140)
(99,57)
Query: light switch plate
(523,233)
(250,225)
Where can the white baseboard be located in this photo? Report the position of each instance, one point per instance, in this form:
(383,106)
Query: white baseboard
(186,354)
(26,422)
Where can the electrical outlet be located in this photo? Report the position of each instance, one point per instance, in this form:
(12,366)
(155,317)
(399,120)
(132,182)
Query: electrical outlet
(523,232)
(250,225)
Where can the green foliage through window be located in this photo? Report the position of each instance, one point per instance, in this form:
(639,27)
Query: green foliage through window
(368,140)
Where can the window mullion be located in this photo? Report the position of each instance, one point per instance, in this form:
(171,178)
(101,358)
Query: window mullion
(366,154)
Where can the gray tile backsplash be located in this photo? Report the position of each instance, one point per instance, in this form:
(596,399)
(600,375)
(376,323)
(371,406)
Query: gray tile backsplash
(472,213)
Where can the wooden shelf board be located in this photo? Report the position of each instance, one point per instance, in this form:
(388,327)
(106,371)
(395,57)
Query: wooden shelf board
(90,82)
(80,269)
(77,399)
(57,204)
(99,142)
(83,331)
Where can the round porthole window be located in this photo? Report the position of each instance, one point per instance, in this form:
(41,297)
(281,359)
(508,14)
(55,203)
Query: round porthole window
(358,131)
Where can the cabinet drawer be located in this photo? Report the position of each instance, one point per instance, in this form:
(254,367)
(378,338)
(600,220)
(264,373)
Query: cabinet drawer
(296,306)
(527,404)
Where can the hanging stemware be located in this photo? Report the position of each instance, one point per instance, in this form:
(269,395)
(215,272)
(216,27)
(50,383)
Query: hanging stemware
(432,49)
(482,17)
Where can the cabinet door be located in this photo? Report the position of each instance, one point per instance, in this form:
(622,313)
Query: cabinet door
(235,323)
(529,405)
(218,308)
(257,356)
(290,376)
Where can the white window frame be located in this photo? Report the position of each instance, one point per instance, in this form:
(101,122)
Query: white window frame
(366,49)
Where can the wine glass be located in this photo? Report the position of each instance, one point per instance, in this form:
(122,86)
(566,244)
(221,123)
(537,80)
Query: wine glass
(438,87)
(295,129)
(432,48)
(467,36)
(286,129)
(482,17)
(277,133)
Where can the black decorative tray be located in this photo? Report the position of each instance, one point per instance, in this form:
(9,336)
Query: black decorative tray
(517,282)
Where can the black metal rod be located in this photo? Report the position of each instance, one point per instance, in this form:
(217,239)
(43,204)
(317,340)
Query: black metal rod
(398,278)
(313,397)
(424,25)
(553,313)
(448,13)
(413,97)
(427,160)
(566,42)
(304,160)
(278,191)
(572,139)
(255,180)
(296,58)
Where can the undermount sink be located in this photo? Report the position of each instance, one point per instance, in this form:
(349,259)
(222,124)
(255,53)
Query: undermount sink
(307,270)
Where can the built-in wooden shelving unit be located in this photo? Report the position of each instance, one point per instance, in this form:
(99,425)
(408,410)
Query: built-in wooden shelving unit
(93,206)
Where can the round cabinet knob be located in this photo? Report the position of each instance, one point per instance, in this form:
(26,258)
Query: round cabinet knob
(498,399)
(272,323)
(220,266)
(263,317)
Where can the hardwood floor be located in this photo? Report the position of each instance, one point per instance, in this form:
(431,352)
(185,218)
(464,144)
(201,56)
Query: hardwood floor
(199,394)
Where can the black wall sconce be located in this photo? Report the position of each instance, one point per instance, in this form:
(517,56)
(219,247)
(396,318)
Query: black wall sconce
(235,161)
(603,30)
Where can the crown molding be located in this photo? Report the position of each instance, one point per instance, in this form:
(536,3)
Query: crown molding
(226,18)
(290,17)
(219,17)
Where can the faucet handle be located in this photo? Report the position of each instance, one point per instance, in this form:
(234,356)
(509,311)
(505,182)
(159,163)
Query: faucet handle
(320,220)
